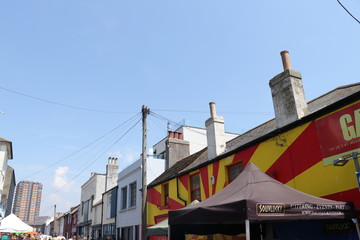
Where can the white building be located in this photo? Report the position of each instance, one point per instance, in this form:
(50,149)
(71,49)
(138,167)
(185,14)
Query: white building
(128,222)
(5,155)
(90,210)
(178,145)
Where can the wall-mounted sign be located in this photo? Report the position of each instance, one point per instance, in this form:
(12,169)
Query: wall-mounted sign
(339,133)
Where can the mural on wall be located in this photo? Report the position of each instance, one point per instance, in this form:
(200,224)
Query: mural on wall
(298,158)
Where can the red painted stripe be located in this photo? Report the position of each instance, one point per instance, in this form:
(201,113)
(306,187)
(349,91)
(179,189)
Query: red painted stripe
(204,174)
(185,181)
(174,204)
(352,194)
(301,155)
(245,155)
(153,196)
(215,174)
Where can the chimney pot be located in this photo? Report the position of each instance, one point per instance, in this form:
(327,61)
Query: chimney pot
(170,134)
(212,109)
(285,60)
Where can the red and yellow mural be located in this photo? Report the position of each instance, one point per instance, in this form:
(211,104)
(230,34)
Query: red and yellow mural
(300,158)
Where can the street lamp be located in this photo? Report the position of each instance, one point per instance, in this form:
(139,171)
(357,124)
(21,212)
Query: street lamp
(342,161)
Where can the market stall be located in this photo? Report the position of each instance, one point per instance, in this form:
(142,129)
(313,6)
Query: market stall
(253,202)
(13,224)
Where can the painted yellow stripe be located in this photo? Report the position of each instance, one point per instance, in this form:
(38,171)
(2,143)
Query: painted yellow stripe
(333,180)
(222,174)
(269,151)
(153,210)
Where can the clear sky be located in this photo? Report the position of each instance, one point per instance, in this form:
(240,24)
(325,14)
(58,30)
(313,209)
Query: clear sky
(72,71)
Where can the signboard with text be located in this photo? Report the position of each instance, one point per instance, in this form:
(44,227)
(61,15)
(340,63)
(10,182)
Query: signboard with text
(339,133)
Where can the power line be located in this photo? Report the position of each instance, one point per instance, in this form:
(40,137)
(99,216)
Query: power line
(59,104)
(222,112)
(348,11)
(81,149)
(91,163)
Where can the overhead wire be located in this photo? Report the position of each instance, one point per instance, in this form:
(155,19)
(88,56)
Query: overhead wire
(222,112)
(91,163)
(60,104)
(348,11)
(83,148)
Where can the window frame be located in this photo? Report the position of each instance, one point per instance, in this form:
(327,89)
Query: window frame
(231,167)
(132,194)
(123,198)
(165,194)
(195,190)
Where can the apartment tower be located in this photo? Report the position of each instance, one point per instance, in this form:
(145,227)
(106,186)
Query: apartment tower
(27,201)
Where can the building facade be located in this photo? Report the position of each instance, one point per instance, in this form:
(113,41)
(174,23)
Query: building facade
(27,201)
(129,203)
(7,197)
(297,148)
(109,209)
(6,154)
(89,213)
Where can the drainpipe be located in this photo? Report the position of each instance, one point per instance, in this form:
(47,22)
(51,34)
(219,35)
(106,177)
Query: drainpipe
(178,194)
(102,215)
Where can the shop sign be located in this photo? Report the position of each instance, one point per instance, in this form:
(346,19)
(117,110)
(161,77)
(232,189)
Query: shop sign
(339,227)
(265,209)
(339,133)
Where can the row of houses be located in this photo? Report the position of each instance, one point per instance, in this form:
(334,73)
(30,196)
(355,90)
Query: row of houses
(298,148)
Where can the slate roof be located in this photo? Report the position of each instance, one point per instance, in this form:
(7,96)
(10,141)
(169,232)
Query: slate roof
(200,158)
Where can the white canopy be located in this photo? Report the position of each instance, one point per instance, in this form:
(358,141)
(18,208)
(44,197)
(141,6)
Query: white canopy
(12,223)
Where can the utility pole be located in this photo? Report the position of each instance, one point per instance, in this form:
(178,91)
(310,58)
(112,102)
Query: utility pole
(145,111)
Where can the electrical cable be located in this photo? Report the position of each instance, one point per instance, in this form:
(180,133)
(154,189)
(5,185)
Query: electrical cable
(81,149)
(91,163)
(348,11)
(222,112)
(60,104)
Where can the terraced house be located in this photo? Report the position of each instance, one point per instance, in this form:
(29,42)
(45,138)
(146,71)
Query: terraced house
(298,148)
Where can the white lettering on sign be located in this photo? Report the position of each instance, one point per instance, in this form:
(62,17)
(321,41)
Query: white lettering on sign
(270,208)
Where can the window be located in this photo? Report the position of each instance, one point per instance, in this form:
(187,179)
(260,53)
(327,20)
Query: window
(137,232)
(165,194)
(234,171)
(108,213)
(195,187)
(126,233)
(132,187)
(124,197)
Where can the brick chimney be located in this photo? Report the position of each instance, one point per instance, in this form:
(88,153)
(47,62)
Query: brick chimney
(215,133)
(111,173)
(176,148)
(288,94)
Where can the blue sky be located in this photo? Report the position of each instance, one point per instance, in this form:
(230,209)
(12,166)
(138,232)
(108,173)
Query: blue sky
(174,56)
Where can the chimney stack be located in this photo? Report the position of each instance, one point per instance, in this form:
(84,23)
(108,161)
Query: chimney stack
(176,148)
(215,133)
(288,94)
(111,173)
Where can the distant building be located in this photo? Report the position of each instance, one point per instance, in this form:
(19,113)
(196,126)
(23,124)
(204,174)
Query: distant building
(27,201)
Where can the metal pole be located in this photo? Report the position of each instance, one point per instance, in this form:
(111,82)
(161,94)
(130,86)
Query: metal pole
(247,227)
(355,157)
(145,112)
(355,221)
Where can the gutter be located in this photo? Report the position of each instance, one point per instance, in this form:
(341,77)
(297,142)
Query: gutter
(177,192)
